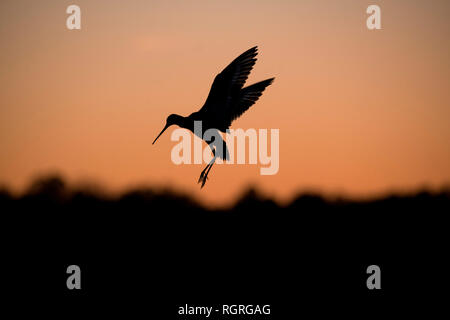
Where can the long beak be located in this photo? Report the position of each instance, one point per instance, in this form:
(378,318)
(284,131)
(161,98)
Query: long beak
(161,133)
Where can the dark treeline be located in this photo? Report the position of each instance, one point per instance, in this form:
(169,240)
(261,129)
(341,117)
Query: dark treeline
(53,192)
(145,241)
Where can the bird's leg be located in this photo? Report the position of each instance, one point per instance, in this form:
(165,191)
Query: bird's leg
(204,173)
(207,172)
(208,168)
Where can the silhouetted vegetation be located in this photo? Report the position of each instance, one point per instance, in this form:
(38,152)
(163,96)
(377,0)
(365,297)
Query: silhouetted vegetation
(52,191)
(148,238)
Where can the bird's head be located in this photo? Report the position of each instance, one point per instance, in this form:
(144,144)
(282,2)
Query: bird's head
(171,119)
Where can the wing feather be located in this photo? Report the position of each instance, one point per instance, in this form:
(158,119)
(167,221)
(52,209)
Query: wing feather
(230,80)
(247,97)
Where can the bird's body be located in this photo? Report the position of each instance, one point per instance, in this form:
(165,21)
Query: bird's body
(227,101)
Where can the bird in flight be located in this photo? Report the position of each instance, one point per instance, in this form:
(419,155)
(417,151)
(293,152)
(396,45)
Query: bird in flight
(227,100)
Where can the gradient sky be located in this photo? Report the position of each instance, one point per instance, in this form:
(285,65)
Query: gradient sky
(360,112)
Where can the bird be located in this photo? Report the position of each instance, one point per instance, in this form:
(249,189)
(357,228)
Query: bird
(227,100)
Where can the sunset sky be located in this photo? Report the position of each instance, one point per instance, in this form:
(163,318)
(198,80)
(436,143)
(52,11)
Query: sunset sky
(360,112)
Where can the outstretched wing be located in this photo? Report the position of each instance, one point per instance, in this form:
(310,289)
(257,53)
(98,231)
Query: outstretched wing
(229,82)
(247,97)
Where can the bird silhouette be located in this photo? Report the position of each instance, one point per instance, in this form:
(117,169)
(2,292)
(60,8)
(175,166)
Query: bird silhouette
(227,100)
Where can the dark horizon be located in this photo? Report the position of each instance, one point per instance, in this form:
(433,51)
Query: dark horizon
(56,187)
(146,243)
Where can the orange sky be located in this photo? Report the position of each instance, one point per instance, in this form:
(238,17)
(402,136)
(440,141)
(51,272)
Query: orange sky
(359,112)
